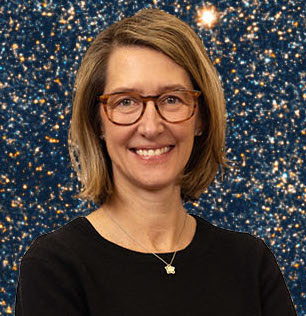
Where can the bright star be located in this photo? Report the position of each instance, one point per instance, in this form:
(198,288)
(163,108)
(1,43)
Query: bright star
(208,16)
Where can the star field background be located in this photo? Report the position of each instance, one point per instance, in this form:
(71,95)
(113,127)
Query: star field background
(257,47)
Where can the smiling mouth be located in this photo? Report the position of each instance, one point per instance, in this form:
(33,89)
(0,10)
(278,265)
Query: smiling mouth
(152,152)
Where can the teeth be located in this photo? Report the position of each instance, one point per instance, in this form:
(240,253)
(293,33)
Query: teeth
(152,152)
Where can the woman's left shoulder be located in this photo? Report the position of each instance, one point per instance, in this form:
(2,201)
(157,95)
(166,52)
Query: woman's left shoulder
(234,240)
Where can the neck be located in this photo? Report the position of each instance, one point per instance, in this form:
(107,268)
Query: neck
(155,219)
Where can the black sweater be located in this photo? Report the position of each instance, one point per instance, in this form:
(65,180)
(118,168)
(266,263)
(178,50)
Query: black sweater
(75,271)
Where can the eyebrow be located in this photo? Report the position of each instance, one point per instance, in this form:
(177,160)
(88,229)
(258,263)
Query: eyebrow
(161,89)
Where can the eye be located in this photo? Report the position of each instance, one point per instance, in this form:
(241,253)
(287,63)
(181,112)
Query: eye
(171,99)
(126,102)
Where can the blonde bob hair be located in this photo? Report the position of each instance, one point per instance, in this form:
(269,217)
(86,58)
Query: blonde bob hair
(163,32)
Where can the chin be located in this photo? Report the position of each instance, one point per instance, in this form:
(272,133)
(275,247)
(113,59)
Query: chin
(156,183)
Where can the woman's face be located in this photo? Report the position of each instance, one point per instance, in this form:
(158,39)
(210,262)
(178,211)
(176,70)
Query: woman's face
(147,72)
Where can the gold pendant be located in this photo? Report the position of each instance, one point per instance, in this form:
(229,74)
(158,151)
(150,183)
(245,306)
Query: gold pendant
(170,269)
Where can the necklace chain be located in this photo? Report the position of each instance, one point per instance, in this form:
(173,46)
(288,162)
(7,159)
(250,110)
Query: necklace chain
(169,267)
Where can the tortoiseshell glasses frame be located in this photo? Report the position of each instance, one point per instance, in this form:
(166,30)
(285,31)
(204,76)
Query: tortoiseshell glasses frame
(104,98)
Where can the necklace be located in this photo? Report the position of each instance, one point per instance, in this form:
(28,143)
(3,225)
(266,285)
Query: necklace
(169,268)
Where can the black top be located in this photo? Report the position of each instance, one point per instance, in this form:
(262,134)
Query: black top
(75,271)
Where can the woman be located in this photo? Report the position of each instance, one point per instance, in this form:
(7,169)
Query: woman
(147,133)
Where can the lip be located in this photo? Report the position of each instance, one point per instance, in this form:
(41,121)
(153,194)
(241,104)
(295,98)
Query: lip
(158,158)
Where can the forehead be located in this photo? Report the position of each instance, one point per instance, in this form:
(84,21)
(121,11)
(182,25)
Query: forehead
(143,70)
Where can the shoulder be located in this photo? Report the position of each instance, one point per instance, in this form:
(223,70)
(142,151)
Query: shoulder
(226,234)
(58,243)
(234,242)
(247,253)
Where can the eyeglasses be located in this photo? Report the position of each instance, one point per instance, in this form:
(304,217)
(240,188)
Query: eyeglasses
(127,108)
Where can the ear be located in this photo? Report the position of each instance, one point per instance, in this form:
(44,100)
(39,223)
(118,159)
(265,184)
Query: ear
(199,125)
(101,123)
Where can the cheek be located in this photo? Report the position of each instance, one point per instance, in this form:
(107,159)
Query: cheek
(116,138)
(187,131)
(185,139)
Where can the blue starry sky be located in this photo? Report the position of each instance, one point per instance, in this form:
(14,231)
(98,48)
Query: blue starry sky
(257,48)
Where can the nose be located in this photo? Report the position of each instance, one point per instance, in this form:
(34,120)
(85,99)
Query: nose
(151,124)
